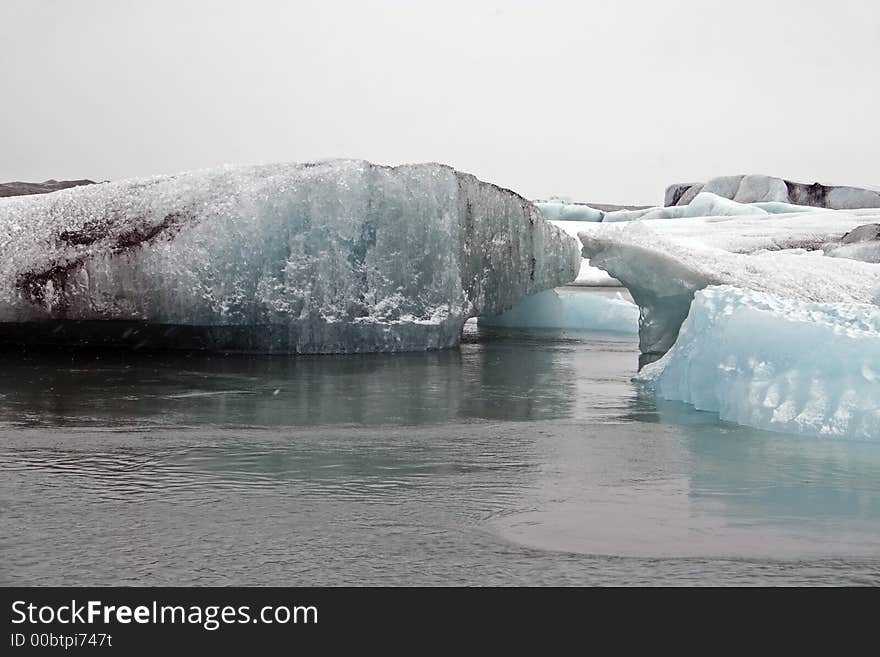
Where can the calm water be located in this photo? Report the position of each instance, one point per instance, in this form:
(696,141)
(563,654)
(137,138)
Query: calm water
(516,459)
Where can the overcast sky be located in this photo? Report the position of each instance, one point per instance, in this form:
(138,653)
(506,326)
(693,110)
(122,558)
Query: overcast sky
(601,101)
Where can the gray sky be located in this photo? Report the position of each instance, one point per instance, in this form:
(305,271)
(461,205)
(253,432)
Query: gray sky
(601,101)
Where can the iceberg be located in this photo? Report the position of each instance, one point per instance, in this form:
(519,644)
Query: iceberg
(19,188)
(777,363)
(664,263)
(572,310)
(332,257)
(707,204)
(761,188)
(557,210)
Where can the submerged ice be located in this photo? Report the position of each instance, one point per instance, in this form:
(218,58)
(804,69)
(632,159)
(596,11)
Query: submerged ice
(341,256)
(777,363)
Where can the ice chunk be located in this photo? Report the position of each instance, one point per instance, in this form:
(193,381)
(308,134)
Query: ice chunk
(663,263)
(862,243)
(562,211)
(573,310)
(777,363)
(340,256)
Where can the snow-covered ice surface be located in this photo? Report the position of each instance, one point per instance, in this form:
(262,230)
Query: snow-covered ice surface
(340,256)
(862,243)
(777,363)
(663,263)
(572,310)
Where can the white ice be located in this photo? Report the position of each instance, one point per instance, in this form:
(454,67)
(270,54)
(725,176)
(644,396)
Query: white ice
(777,363)
(558,210)
(663,263)
(340,256)
(573,310)
(706,204)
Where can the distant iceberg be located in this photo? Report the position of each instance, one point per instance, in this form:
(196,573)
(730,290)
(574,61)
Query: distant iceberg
(761,188)
(707,204)
(572,310)
(335,257)
(777,363)
(558,210)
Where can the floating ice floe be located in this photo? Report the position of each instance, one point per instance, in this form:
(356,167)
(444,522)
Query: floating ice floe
(663,263)
(340,256)
(777,363)
(572,310)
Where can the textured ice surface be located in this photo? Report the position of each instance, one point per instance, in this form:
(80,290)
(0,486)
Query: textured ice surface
(862,243)
(341,256)
(760,188)
(663,263)
(571,310)
(777,363)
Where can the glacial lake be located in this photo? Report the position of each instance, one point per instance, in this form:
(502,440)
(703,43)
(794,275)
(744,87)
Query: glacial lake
(522,458)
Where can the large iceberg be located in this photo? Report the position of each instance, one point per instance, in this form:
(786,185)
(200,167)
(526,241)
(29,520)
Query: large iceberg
(761,188)
(777,363)
(664,263)
(334,257)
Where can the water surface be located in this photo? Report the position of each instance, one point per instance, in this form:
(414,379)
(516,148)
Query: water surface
(519,458)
